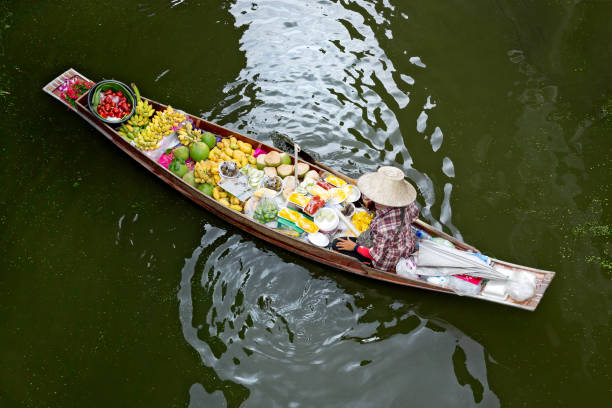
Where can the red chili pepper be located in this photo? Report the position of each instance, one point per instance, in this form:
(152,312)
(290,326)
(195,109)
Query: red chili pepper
(108,92)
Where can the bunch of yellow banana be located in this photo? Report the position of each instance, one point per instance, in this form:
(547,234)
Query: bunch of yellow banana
(149,138)
(203,172)
(140,120)
(142,112)
(173,116)
(144,108)
(188,135)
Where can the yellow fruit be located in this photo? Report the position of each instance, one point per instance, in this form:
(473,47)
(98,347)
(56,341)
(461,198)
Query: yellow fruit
(236,207)
(226,142)
(244,161)
(246,148)
(220,145)
(252,160)
(217,178)
(234,200)
(224,202)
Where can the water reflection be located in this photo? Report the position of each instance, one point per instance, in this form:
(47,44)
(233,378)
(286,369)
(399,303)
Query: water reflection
(273,327)
(317,72)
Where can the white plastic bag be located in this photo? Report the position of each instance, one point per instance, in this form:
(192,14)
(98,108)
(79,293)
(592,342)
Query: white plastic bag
(406,267)
(463,287)
(522,286)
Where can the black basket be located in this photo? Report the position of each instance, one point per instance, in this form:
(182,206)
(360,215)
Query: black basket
(126,91)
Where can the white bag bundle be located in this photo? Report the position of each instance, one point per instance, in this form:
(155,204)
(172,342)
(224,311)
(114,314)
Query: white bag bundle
(522,286)
(406,267)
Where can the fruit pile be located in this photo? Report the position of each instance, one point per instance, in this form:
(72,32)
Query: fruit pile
(113,105)
(206,171)
(146,128)
(188,134)
(161,125)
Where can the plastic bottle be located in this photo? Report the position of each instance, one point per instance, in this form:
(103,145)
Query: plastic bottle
(420,233)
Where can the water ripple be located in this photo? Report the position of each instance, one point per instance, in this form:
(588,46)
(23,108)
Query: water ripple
(272,326)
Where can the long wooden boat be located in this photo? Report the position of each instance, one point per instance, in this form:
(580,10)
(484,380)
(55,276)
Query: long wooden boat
(295,245)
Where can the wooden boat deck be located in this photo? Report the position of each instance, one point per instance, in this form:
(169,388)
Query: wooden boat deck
(292,244)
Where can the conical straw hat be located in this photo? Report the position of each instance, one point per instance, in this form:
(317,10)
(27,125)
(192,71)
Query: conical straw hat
(388,187)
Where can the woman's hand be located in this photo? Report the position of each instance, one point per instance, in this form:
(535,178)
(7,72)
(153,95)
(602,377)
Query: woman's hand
(346,244)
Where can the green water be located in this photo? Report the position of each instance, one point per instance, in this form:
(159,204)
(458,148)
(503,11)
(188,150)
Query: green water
(117,291)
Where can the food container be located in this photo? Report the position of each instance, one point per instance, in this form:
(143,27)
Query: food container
(352,193)
(229,170)
(336,196)
(298,200)
(282,223)
(319,191)
(327,220)
(336,181)
(347,209)
(273,183)
(94,97)
(318,239)
(307,225)
(314,204)
(289,214)
(324,184)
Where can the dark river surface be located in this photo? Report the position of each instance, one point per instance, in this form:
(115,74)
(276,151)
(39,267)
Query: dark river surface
(117,291)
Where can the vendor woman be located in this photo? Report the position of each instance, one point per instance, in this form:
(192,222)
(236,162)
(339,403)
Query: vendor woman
(389,237)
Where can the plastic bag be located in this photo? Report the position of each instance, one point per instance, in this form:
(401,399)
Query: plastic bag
(266,210)
(522,286)
(465,286)
(406,267)
(250,205)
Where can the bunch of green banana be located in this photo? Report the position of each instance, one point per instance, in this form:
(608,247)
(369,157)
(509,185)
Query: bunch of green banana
(188,135)
(129,132)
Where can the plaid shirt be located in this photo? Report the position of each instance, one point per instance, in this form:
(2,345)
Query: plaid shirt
(389,244)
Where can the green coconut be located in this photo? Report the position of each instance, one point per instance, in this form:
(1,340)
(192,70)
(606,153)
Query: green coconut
(205,188)
(270,171)
(199,151)
(285,158)
(261,161)
(302,169)
(189,178)
(209,139)
(273,159)
(181,153)
(284,170)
